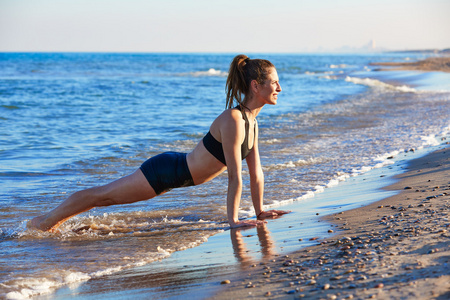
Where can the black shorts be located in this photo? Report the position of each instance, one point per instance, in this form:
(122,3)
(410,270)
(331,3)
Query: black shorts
(167,171)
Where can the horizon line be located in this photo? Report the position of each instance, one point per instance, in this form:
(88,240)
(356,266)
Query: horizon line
(361,51)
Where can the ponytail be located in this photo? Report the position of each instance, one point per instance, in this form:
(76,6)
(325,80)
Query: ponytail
(242,71)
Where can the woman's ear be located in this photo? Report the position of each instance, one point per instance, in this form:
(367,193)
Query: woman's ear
(254,86)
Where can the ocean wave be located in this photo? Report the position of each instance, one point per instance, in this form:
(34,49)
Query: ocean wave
(330,77)
(124,224)
(340,66)
(28,288)
(293,164)
(209,73)
(326,73)
(270,141)
(379,84)
(378,162)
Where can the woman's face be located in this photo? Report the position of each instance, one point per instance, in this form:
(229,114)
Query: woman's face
(269,89)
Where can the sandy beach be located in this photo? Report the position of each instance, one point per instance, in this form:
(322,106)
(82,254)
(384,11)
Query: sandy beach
(441,64)
(397,248)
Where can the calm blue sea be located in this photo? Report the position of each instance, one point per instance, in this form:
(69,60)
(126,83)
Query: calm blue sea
(70,121)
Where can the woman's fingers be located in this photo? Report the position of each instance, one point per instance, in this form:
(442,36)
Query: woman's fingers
(272,213)
(260,220)
(281,212)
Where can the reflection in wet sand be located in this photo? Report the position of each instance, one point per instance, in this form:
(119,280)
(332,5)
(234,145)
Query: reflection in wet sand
(240,250)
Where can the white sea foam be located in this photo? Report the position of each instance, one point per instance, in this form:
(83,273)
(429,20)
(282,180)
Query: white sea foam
(293,164)
(378,162)
(341,66)
(304,197)
(379,84)
(32,287)
(430,140)
(270,141)
(329,77)
(117,224)
(210,72)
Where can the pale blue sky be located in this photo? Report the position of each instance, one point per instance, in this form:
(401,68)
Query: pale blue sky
(222,25)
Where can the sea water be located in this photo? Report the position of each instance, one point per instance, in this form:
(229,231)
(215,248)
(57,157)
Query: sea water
(71,121)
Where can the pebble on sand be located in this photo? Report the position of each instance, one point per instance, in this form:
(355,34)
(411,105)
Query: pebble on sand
(311,282)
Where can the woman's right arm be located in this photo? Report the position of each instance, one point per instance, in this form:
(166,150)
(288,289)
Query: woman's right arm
(231,134)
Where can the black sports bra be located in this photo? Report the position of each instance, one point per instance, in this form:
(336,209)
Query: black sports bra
(215,147)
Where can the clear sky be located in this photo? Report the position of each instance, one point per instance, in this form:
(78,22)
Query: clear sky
(222,25)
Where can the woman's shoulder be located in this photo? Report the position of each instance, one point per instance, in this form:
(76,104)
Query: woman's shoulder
(231,114)
(230,120)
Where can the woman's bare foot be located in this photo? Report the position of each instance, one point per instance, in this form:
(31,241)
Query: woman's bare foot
(34,223)
(37,223)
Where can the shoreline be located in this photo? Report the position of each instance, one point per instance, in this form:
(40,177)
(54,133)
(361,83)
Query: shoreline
(440,64)
(396,248)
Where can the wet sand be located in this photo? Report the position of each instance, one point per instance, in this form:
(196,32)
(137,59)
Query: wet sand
(441,64)
(397,248)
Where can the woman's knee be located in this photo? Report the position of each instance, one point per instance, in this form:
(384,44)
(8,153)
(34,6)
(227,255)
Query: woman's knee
(128,189)
(99,196)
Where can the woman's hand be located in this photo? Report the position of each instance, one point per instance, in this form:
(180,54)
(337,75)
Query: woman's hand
(271,214)
(247,223)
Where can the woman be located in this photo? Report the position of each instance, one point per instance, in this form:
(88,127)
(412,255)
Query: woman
(232,137)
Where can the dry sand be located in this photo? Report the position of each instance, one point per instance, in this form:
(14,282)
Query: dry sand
(441,64)
(397,248)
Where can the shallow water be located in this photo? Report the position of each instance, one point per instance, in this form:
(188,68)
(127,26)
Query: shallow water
(71,121)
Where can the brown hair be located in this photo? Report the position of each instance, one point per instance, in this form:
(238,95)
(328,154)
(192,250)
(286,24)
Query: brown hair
(242,71)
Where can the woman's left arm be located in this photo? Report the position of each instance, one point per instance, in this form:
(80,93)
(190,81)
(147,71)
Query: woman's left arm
(257,182)
(256,175)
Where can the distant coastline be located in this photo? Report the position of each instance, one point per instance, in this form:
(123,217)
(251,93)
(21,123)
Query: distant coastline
(441,64)
(425,51)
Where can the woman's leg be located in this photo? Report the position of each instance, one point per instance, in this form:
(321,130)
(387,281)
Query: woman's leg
(129,189)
